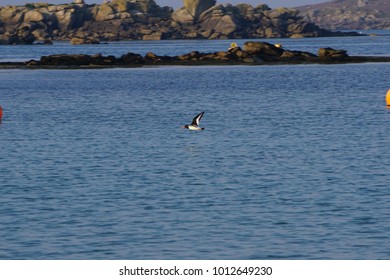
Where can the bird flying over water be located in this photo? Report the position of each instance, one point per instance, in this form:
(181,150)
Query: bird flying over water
(195,123)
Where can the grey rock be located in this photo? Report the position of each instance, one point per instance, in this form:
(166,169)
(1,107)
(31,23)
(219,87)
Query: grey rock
(349,14)
(197,7)
(183,16)
(145,20)
(82,41)
(262,48)
(330,53)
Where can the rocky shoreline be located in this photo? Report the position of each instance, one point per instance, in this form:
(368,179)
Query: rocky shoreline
(251,53)
(116,20)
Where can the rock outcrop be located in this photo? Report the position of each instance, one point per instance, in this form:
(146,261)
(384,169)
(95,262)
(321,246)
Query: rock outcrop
(244,21)
(197,7)
(84,40)
(349,14)
(112,20)
(145,20)
(332,54)
(252,53)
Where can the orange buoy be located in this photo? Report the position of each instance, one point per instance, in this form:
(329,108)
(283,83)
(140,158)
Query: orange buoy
(1,113)
(388,98)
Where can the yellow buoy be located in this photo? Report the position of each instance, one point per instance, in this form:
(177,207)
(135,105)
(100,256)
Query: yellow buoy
(388,98)
(278,45)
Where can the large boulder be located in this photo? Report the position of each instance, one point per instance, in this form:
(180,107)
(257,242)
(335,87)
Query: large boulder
(219,21)
(121,5)
(212,16)
(12,15)
(105,12)
(69,18)
(226,25)
(84,40)
(182,16)
(283,13)
(26,35)
(23,36)
(262,48)
(8,39)
(155,36)
(33,16)
(329,53)
(79,2)
(131,58)
(197,7)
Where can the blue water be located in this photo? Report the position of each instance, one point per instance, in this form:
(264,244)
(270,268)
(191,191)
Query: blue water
(368,45)
(293,162)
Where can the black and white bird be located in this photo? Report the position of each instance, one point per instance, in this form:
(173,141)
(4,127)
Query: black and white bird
(195,123)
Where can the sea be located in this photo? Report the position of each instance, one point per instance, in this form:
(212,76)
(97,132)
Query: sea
(293,163)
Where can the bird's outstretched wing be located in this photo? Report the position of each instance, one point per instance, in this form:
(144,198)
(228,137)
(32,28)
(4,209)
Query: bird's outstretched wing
(196,120)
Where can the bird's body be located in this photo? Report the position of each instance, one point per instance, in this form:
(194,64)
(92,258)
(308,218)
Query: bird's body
(193,127)
(195,123)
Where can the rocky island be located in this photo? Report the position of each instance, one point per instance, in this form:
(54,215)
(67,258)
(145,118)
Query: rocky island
(145,20)
(251,53)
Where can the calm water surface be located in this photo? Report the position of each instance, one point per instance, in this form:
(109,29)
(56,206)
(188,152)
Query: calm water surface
(366,45)
(293,163)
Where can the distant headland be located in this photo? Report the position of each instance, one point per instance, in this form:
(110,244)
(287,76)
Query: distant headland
(349,14)
(251,53)
(145,20)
